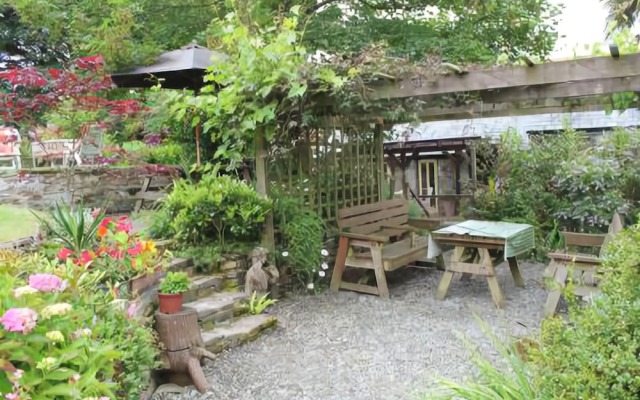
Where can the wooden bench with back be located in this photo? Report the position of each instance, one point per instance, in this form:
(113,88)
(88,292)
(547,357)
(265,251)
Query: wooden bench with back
(378,237)
(582,253)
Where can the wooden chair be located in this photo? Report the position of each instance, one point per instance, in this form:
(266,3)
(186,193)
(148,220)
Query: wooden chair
(377,236)
(582,253)
(10,148)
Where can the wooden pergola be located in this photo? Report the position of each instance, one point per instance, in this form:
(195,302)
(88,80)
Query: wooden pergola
(552,87)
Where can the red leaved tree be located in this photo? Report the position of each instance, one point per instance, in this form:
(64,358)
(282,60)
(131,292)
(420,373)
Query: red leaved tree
(28,94)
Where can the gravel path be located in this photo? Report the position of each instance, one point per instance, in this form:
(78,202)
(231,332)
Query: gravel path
(349,346)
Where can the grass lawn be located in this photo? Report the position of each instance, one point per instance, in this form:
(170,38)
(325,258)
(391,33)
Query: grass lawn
(16,222)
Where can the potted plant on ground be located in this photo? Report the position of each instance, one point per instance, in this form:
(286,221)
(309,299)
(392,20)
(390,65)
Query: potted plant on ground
(171,290)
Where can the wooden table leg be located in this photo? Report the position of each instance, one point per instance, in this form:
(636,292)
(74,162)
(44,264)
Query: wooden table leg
(447,277)
(338,269)
(474,258)
(492,279)
(378,268)
(515,271)
(559,281)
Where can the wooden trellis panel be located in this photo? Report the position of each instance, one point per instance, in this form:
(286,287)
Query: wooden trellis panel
(334,166)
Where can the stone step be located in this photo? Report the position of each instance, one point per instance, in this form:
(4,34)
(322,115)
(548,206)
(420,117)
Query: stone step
(217,307)
(239,331)
(203,286)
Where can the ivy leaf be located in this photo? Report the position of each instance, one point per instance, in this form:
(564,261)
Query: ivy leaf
(265,91)
(297,90)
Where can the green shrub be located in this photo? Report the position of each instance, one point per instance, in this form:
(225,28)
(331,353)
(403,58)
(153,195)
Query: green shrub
(221,209)
(165,154)
(596,355)
(558,182)
(300,241)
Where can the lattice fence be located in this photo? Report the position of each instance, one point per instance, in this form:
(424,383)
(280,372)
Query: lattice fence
(335,166)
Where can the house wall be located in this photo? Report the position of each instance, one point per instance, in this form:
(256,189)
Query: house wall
(412,175)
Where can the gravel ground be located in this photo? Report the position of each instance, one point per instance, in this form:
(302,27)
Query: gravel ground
(350,346)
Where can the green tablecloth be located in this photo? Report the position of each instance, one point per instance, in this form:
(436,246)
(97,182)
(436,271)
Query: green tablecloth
(519,238)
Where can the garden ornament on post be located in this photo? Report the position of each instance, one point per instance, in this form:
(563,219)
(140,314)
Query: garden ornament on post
(183,68)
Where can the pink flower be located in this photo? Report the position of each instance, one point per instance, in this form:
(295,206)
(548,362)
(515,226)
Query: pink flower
(131,311)
(12,396)
(64,253)
(124,225)
(21,320)
(46,283)
(135,250)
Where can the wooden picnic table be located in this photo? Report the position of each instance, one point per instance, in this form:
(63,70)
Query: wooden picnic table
(479,246)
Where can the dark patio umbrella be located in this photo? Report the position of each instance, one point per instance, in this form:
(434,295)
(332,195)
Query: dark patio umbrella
(178,69)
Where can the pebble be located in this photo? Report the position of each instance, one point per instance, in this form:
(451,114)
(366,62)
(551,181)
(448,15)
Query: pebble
(346,346)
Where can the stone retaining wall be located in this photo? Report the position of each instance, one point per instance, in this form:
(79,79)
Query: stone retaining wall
(114,187)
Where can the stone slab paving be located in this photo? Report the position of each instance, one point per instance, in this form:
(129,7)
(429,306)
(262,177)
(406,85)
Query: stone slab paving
(349,346)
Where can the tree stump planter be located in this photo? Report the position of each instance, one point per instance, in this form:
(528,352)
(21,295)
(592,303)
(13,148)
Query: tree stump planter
(184,347)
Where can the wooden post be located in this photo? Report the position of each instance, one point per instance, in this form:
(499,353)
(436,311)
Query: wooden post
(403,165)
(198,132)
(474,171)
(262,187)
(379,139)
(184,347)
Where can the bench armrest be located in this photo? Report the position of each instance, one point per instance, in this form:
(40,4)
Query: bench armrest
(360,236)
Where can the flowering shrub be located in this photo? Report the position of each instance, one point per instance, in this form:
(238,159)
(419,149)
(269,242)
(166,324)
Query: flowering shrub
(61,339)
(121,254)
(50,349)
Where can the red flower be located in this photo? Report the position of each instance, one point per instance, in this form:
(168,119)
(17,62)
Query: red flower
(86,257)
(117,254)
(64,253)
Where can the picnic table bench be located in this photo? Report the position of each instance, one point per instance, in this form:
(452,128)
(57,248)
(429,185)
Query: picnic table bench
(479,246)
(378,237)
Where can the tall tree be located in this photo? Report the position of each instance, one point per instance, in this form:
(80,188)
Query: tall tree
(134,31)
(622,13)
(32,45)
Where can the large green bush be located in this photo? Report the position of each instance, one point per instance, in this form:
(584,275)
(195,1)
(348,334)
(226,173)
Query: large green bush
(560,182)
(221,209)
(596,355)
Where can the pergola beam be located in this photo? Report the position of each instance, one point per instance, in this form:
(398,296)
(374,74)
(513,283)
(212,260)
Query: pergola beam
(563,90)
(488,110)
(586,69)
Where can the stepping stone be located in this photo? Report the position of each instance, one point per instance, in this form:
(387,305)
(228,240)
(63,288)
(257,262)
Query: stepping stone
(218,307)
(199,282)
(240,331)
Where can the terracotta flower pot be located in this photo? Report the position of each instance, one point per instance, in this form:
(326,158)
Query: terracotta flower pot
(170,303)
